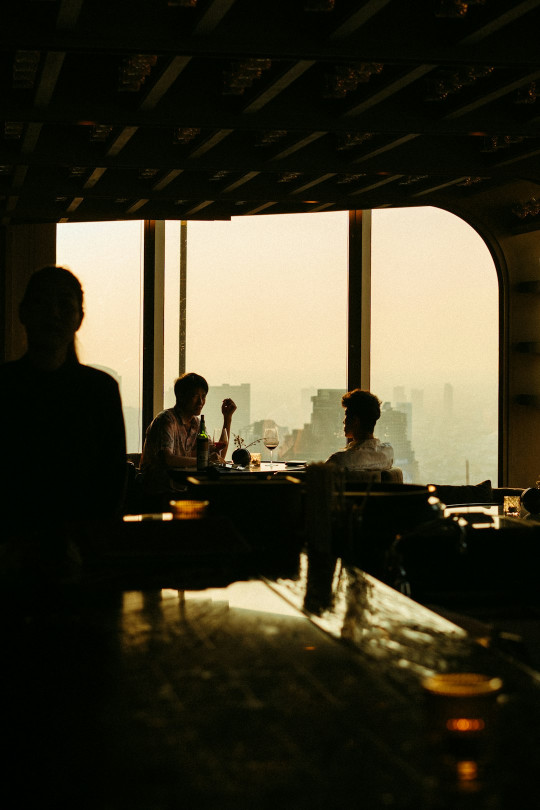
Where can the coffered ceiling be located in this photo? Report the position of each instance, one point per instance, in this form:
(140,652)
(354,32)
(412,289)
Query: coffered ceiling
(207,109)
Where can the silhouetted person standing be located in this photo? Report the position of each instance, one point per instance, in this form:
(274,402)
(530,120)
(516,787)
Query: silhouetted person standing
(63,438)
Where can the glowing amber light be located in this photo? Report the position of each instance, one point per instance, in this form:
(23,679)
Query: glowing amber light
(467,770)
(465,724)
(462,684)
(188,510)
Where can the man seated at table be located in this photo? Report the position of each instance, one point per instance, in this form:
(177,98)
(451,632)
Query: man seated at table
(364,451)
(171,438)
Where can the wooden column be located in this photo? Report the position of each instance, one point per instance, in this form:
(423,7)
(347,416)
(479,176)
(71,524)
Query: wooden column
(359,327)
(153,319)
(23,249)
(182,303)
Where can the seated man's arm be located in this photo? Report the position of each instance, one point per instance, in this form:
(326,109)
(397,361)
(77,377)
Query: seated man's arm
(160,445)
(171,459)
(228,407)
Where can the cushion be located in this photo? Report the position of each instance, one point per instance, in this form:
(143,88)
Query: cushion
(477,493)
(362,476)
(392,476)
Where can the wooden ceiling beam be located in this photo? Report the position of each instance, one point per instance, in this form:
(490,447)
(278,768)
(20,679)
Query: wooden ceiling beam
(390,90)
(210,142)
(395,144)
(358,19)
(246,178)
(48,79)
(439,187)
(405,53)
(121,140)
(301,144)
(494,95)
(500,22)
(277,87)
(376,118)
(68,14)
(313,183)
(165,82)
(212,16)
(427,157)
(379,184)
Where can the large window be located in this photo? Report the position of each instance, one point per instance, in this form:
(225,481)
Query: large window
(265,321)
(267,325)
(107,259)
(434,358)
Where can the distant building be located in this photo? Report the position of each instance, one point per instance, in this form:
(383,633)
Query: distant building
(323,434)
(241,394)
(392,427)
(417,400)
(132,416)
(133,423)
(306,395)
(407,409)
(256,431)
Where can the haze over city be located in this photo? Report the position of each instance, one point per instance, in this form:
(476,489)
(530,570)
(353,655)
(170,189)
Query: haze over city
(267,305)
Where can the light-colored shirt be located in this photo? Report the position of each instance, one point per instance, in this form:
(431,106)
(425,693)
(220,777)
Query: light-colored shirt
(168,432)
(371,454)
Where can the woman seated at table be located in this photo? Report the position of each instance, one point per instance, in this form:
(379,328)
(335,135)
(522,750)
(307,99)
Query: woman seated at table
(364,451)
(171,438)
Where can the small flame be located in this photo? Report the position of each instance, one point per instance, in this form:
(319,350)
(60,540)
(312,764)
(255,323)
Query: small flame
(465,724)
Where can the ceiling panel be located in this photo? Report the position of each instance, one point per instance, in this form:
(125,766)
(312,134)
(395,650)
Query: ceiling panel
(217,108)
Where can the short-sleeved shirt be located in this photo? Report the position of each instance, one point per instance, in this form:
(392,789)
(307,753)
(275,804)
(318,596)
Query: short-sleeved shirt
(371,454)
(167,432)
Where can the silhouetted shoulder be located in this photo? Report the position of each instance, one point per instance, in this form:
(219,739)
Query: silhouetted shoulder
(97,378)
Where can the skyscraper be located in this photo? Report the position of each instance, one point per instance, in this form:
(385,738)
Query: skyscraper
(241,394)
(392,427)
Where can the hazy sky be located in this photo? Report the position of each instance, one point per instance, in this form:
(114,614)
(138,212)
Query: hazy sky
(267,299)
(434,303)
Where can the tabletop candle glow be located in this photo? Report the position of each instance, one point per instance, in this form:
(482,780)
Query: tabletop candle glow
(188,510)
(461,711)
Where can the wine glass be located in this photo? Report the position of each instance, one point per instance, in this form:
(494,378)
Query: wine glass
(221,440)
(271,441)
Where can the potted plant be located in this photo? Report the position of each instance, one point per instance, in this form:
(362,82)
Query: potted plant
(241,456)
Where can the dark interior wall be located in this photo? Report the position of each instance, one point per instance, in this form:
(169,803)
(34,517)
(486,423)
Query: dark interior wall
(522,254)
(23,249)
(515,248)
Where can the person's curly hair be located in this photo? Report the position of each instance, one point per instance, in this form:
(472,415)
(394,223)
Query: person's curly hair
(363,404)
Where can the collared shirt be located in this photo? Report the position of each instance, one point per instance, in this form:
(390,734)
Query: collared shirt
(371,454)
(168,432)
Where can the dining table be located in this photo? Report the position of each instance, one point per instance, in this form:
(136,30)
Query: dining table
(180,671)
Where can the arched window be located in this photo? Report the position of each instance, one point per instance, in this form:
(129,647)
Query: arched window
(434,344)
(265,320)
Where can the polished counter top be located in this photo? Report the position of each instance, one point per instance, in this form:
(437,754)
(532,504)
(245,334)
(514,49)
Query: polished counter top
(299,690)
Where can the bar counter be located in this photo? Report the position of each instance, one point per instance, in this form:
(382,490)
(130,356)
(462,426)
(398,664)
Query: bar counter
(300,689)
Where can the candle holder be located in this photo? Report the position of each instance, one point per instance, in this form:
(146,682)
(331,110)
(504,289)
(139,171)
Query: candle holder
(512,505)
(461,712)
(188,510)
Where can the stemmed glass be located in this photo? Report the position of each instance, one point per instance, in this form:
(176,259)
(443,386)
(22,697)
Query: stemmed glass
(221,440)
(271,441)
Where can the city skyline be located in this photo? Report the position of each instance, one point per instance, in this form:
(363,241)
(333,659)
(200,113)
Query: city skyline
(267,304)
